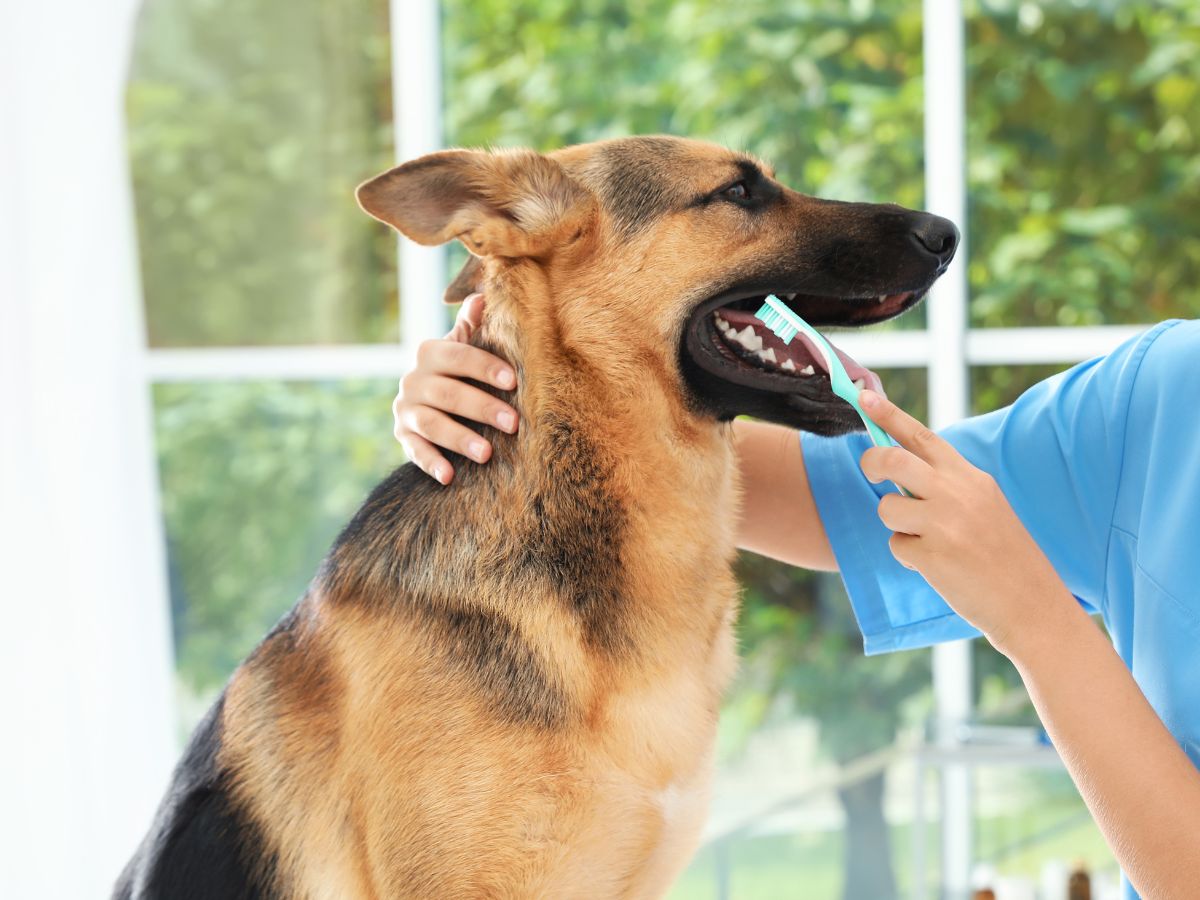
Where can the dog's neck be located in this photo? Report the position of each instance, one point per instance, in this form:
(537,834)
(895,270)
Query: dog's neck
(608,475)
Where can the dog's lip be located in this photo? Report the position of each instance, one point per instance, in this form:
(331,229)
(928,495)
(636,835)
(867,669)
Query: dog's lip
(852,310)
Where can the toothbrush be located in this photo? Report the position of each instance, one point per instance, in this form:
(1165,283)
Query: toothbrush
(777,316)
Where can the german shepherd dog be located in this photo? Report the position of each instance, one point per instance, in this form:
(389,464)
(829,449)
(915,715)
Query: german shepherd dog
(508,688)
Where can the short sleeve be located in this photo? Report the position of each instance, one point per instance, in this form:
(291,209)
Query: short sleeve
(1057,455)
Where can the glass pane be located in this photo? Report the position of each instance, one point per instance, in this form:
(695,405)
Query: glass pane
(829,92)
(250,123)
(993,387)
(1083,162)
(1032,830)
(257,479)
(802,847)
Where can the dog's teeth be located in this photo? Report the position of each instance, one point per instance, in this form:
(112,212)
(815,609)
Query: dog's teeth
(860,383)
(748,339)
(789,296)
(788,366)
(808,370)
(768,355)
(881,298)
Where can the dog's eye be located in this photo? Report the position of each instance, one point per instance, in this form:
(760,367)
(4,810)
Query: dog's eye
(736,191)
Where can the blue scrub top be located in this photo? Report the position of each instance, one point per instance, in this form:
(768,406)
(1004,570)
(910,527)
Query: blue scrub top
(1102,465)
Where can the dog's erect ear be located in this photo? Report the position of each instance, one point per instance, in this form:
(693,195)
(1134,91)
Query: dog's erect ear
(509,204)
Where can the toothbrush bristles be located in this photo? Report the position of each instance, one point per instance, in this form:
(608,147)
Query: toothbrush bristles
(773,319)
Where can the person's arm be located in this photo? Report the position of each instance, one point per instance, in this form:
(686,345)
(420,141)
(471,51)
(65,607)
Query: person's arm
(778,515)
(960,533)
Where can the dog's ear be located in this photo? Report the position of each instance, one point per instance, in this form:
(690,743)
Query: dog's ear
(466,282)
(508,204)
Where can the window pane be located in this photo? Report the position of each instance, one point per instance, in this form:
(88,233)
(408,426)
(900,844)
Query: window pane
(994,387)
(257,479)
(250,123)
(831,96)
(1084,165)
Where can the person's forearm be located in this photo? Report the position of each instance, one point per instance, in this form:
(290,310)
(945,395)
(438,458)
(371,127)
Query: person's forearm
(779,517)
(1140,786)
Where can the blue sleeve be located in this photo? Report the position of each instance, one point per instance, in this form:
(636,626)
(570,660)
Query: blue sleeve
(1056,453)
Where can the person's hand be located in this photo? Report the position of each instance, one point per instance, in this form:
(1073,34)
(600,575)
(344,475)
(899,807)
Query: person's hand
(958,530)
(434,391)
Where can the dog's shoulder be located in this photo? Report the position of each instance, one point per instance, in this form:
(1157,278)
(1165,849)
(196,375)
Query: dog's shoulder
(199,846)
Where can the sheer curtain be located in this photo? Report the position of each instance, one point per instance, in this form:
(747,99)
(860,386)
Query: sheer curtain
(84,635)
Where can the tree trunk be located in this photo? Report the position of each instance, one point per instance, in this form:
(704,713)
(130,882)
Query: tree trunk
(867,854)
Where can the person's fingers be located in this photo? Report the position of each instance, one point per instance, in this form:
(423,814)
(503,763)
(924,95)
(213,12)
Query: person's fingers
(470,314)
(899,466)
(449,395)
(459,360)
(906,548)
(910,433)
(904,515)
(442,431)
(426,457)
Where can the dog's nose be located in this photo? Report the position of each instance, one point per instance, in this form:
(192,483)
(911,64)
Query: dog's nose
(938,236)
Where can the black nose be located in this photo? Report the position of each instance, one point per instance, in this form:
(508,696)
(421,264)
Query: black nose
(938,236)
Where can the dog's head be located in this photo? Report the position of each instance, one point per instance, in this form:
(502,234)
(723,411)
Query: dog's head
(654,252)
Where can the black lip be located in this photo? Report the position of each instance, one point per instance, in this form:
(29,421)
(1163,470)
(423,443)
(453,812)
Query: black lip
(746,292)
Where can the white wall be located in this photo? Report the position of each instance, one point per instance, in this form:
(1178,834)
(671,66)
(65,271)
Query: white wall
(86,737)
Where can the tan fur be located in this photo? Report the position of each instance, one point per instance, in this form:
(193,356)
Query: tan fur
(372,764)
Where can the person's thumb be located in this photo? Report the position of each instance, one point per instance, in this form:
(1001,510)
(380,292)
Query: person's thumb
(469,318)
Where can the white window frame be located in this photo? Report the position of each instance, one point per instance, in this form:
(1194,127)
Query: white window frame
(947,348)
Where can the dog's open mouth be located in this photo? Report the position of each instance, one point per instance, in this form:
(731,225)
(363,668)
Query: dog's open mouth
(734,332)
(724,338)
(745,339)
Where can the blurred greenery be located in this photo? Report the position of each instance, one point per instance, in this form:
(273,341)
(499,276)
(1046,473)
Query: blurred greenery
(251,121)
(257,478)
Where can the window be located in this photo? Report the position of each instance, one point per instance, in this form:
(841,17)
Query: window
(276,331)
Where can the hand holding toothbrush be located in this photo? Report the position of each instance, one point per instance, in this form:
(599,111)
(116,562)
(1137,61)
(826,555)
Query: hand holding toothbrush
(959,531)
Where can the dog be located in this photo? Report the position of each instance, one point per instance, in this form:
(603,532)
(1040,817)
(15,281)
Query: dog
(509,688)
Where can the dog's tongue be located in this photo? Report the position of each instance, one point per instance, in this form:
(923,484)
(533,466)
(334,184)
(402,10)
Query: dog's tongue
(802,351)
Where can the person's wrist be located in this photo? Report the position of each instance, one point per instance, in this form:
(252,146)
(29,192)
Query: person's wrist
(1051,616)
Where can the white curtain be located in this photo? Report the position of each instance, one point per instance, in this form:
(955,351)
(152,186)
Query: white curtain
(86,728)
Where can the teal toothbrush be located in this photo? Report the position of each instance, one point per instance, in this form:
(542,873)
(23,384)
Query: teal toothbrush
(777,316)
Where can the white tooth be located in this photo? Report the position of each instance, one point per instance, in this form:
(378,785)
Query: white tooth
(788,366)
(768,355)
(859,383)
(807,370)
(789,296)
(881,298)
(748,339)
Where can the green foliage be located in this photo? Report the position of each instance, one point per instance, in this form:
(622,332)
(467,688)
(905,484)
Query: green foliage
(1084,132)
(257,478)
(250,123)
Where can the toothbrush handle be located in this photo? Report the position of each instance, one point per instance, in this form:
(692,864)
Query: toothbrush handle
(882,439)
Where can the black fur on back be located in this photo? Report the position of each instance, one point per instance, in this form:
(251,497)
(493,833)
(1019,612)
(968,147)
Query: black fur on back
(199,847)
